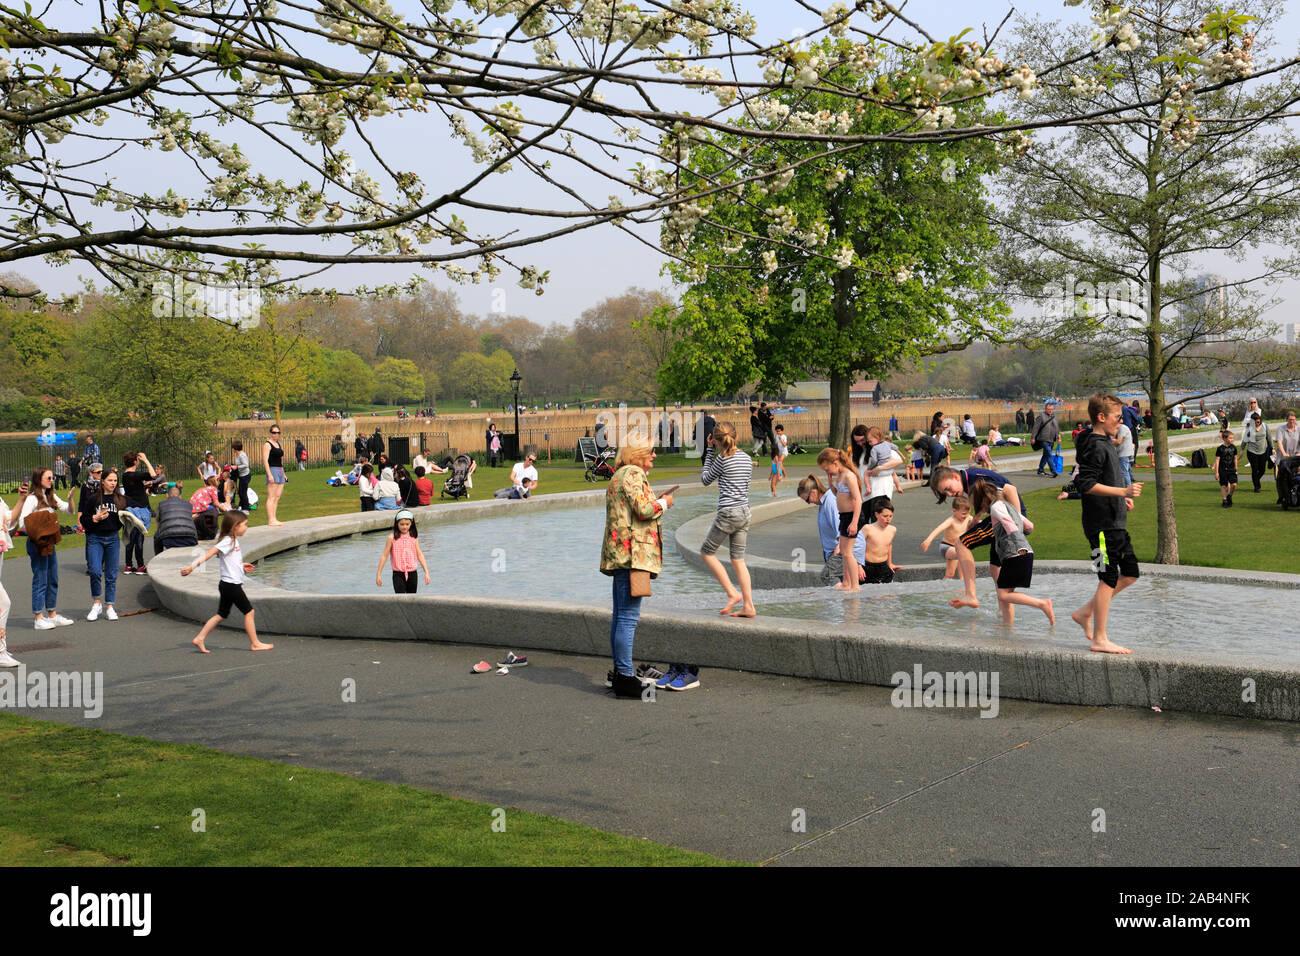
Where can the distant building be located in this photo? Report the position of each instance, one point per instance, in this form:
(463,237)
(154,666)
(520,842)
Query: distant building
(1209,307)
(867,390)
(1291,331)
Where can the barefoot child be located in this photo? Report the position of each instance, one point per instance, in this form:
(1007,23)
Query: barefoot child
(880,533)
(732,469)
(777,473)
(952,529)
(814,492)
(916,463)
(1225,467)
(843,479)
(946,481)
(406,554)
(1105,517)
(231,585)
(1009,527)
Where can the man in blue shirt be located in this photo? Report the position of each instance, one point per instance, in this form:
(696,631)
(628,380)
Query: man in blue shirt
(893,427)
(92,452)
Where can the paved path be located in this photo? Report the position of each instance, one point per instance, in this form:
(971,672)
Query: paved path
(722,769)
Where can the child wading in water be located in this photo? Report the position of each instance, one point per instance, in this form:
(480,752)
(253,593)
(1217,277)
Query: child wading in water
(843,479)
(406,553)
(1106,504)
(952,529)
(732,469)
(879,536)
(231,586)
(1009,527)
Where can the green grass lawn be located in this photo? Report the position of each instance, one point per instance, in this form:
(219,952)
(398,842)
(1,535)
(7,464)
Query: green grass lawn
(1244,536)
(82,797)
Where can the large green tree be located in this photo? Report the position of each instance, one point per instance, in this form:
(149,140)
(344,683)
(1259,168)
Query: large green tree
(398,380)
(170,377)
(1108,227)
(853,262)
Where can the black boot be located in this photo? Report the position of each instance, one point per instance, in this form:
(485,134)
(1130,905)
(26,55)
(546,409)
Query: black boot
(627,686)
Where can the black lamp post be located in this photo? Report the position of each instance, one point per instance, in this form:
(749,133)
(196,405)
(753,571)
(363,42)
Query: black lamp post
(515,379)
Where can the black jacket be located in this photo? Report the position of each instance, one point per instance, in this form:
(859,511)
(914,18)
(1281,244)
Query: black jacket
(1098,461)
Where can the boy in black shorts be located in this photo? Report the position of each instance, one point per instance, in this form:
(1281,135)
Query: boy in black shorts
(1225,467)
(1106,504)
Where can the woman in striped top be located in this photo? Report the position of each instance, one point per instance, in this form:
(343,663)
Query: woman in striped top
(732,469)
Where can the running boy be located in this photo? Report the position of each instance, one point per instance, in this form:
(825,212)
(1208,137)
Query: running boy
(231,585)
(952,529)
(879,534)
(1105,517)
(1225,467)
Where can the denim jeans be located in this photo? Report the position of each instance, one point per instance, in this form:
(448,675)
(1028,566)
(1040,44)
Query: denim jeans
(622,626)
(388,503)
(1126,470)
(45,579)
(1046,463)
(102,551)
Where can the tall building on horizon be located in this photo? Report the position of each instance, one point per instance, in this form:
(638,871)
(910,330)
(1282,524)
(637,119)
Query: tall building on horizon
(1209,305)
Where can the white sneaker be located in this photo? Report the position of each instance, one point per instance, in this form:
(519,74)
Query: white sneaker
(95,612)
(44,623)
(61,621)
(110,614)
(6,659)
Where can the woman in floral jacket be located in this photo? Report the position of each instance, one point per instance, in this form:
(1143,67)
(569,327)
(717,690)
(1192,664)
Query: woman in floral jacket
(633,542)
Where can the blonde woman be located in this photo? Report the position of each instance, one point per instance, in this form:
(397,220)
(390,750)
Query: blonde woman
(633,543)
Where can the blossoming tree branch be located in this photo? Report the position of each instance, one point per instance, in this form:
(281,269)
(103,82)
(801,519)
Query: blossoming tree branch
(252,140)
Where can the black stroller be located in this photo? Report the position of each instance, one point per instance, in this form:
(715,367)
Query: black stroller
(597,459)
(457,486)
(1288,483)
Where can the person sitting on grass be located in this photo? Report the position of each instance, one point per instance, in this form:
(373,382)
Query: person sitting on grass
(515,493)
(206,499)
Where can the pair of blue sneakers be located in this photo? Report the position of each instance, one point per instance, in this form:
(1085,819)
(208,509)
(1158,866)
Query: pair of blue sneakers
(678,678)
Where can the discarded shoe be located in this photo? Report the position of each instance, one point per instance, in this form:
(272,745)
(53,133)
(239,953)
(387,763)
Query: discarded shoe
(482,667)
(512,661)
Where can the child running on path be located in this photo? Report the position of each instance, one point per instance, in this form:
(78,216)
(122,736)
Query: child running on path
(1105,517)
(1009,527)
(879,535)
(843,479)
(732,469)
(231,585)
(406,553)
(952,529)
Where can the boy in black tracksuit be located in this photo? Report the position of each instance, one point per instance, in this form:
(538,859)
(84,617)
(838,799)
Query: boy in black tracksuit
(1225,467)
(1106,503)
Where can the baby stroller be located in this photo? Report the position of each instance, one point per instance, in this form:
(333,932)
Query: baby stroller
(1288,483)
(457,486)
(598,460)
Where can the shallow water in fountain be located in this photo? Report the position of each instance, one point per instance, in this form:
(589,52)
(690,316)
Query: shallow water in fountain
(555,555)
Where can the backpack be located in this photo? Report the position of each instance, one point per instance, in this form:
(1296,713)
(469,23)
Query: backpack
(1199,459)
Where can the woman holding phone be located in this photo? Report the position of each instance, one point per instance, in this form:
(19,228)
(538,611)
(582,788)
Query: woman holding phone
(632,552)
(99,516)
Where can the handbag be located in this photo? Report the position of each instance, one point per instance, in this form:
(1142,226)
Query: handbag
(640,583)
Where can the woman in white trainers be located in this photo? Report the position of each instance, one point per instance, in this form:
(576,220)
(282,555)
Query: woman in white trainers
(39,518)
(99,517)
(6,544)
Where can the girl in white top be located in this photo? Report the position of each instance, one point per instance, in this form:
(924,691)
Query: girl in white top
(38,494)
(6,543)
(231,586)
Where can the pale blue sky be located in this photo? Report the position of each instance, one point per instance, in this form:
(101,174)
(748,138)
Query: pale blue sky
(603,261)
